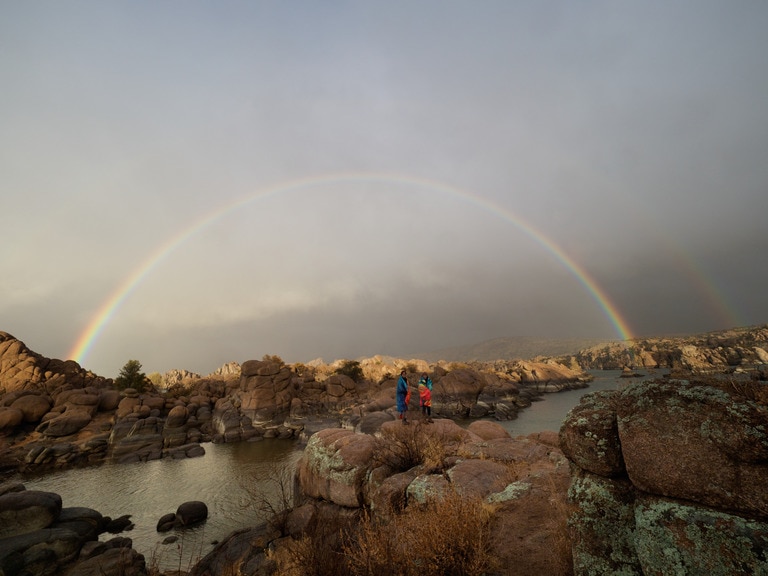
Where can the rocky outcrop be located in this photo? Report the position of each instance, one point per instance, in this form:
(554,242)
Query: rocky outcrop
(22,369)
(343,473)
(39,536)
(725,350)
(668,477)
(68,417)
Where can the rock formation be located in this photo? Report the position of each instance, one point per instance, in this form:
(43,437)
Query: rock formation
(54,414)
(39,536)
(737,348)
(343,475)
(669,477)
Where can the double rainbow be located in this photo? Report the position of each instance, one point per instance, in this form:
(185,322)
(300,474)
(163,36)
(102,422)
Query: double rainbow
(109,308)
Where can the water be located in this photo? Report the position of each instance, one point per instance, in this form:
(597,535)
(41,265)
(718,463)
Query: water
(231,479)
(548,414)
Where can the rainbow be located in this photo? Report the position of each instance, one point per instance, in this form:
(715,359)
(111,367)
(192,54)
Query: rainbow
(109,308)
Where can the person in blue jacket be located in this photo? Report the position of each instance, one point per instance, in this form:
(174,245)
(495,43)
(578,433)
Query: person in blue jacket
(403,395)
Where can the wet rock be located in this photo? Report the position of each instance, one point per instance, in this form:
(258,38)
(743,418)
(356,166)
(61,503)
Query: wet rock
(191,513)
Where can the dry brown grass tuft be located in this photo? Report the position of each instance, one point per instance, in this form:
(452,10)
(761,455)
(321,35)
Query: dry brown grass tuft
(450,536)
(401,448)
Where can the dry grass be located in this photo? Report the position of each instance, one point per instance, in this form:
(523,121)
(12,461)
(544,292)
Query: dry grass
(451,536)
(401,448)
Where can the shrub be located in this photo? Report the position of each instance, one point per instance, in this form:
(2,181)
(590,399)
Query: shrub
(273,358)
(400,448)
(352,369)
(450,536)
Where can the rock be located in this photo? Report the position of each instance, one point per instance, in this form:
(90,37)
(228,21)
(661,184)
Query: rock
(334,466)
(691,497)
(117,561)
(10,418)
(68,423)
(166,522)
(177,417)
(695,443)
(488,430)
(27,511)
(32,406)
(243,551)
(674,537)
(109,400)
(371,422)
(119,524)
(589,435)
(191,513)
(479,478)
(602,525)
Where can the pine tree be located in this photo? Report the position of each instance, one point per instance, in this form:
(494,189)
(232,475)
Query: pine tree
(131,376)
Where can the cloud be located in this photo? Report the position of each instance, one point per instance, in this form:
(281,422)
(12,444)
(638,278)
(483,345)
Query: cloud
(631,137)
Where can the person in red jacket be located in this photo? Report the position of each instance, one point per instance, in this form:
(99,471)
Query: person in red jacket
(425,397)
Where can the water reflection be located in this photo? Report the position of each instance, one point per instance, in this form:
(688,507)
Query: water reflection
(230,479)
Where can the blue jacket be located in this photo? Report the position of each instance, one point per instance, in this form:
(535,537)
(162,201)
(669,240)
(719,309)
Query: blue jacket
(402,391)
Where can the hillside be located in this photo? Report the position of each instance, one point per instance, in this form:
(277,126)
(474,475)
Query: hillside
(514,348)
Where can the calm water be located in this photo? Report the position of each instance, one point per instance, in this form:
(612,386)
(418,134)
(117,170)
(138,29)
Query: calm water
(229,478)
(548,414)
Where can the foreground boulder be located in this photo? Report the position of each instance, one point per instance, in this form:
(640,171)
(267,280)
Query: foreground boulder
(668,477)
(39,536)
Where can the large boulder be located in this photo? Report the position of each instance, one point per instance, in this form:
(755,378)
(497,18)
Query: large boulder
(191,513)
(66,424)
(26,511)
(590,437)
(696,443)
(32,406)
(690,497)
(334,466)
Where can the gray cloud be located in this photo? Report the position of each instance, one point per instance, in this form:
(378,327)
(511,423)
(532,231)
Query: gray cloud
(630,138)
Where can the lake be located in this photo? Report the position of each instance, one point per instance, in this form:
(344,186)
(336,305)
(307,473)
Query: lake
(231,479)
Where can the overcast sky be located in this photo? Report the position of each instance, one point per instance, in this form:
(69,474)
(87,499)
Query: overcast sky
(507,139)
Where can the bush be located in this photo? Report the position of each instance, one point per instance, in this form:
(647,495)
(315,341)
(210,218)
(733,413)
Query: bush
(273,358)
(450,536)
(352,369)
(400,448)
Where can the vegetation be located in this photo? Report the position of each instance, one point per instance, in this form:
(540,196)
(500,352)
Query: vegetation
(450,536)
(131,376)
(273,358)
(352,369)
(752,389)
(400,448)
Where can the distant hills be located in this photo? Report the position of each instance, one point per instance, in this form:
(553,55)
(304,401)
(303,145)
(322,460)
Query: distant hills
(514,348)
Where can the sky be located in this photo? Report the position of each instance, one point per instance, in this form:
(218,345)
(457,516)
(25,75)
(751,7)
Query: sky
(193,183)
